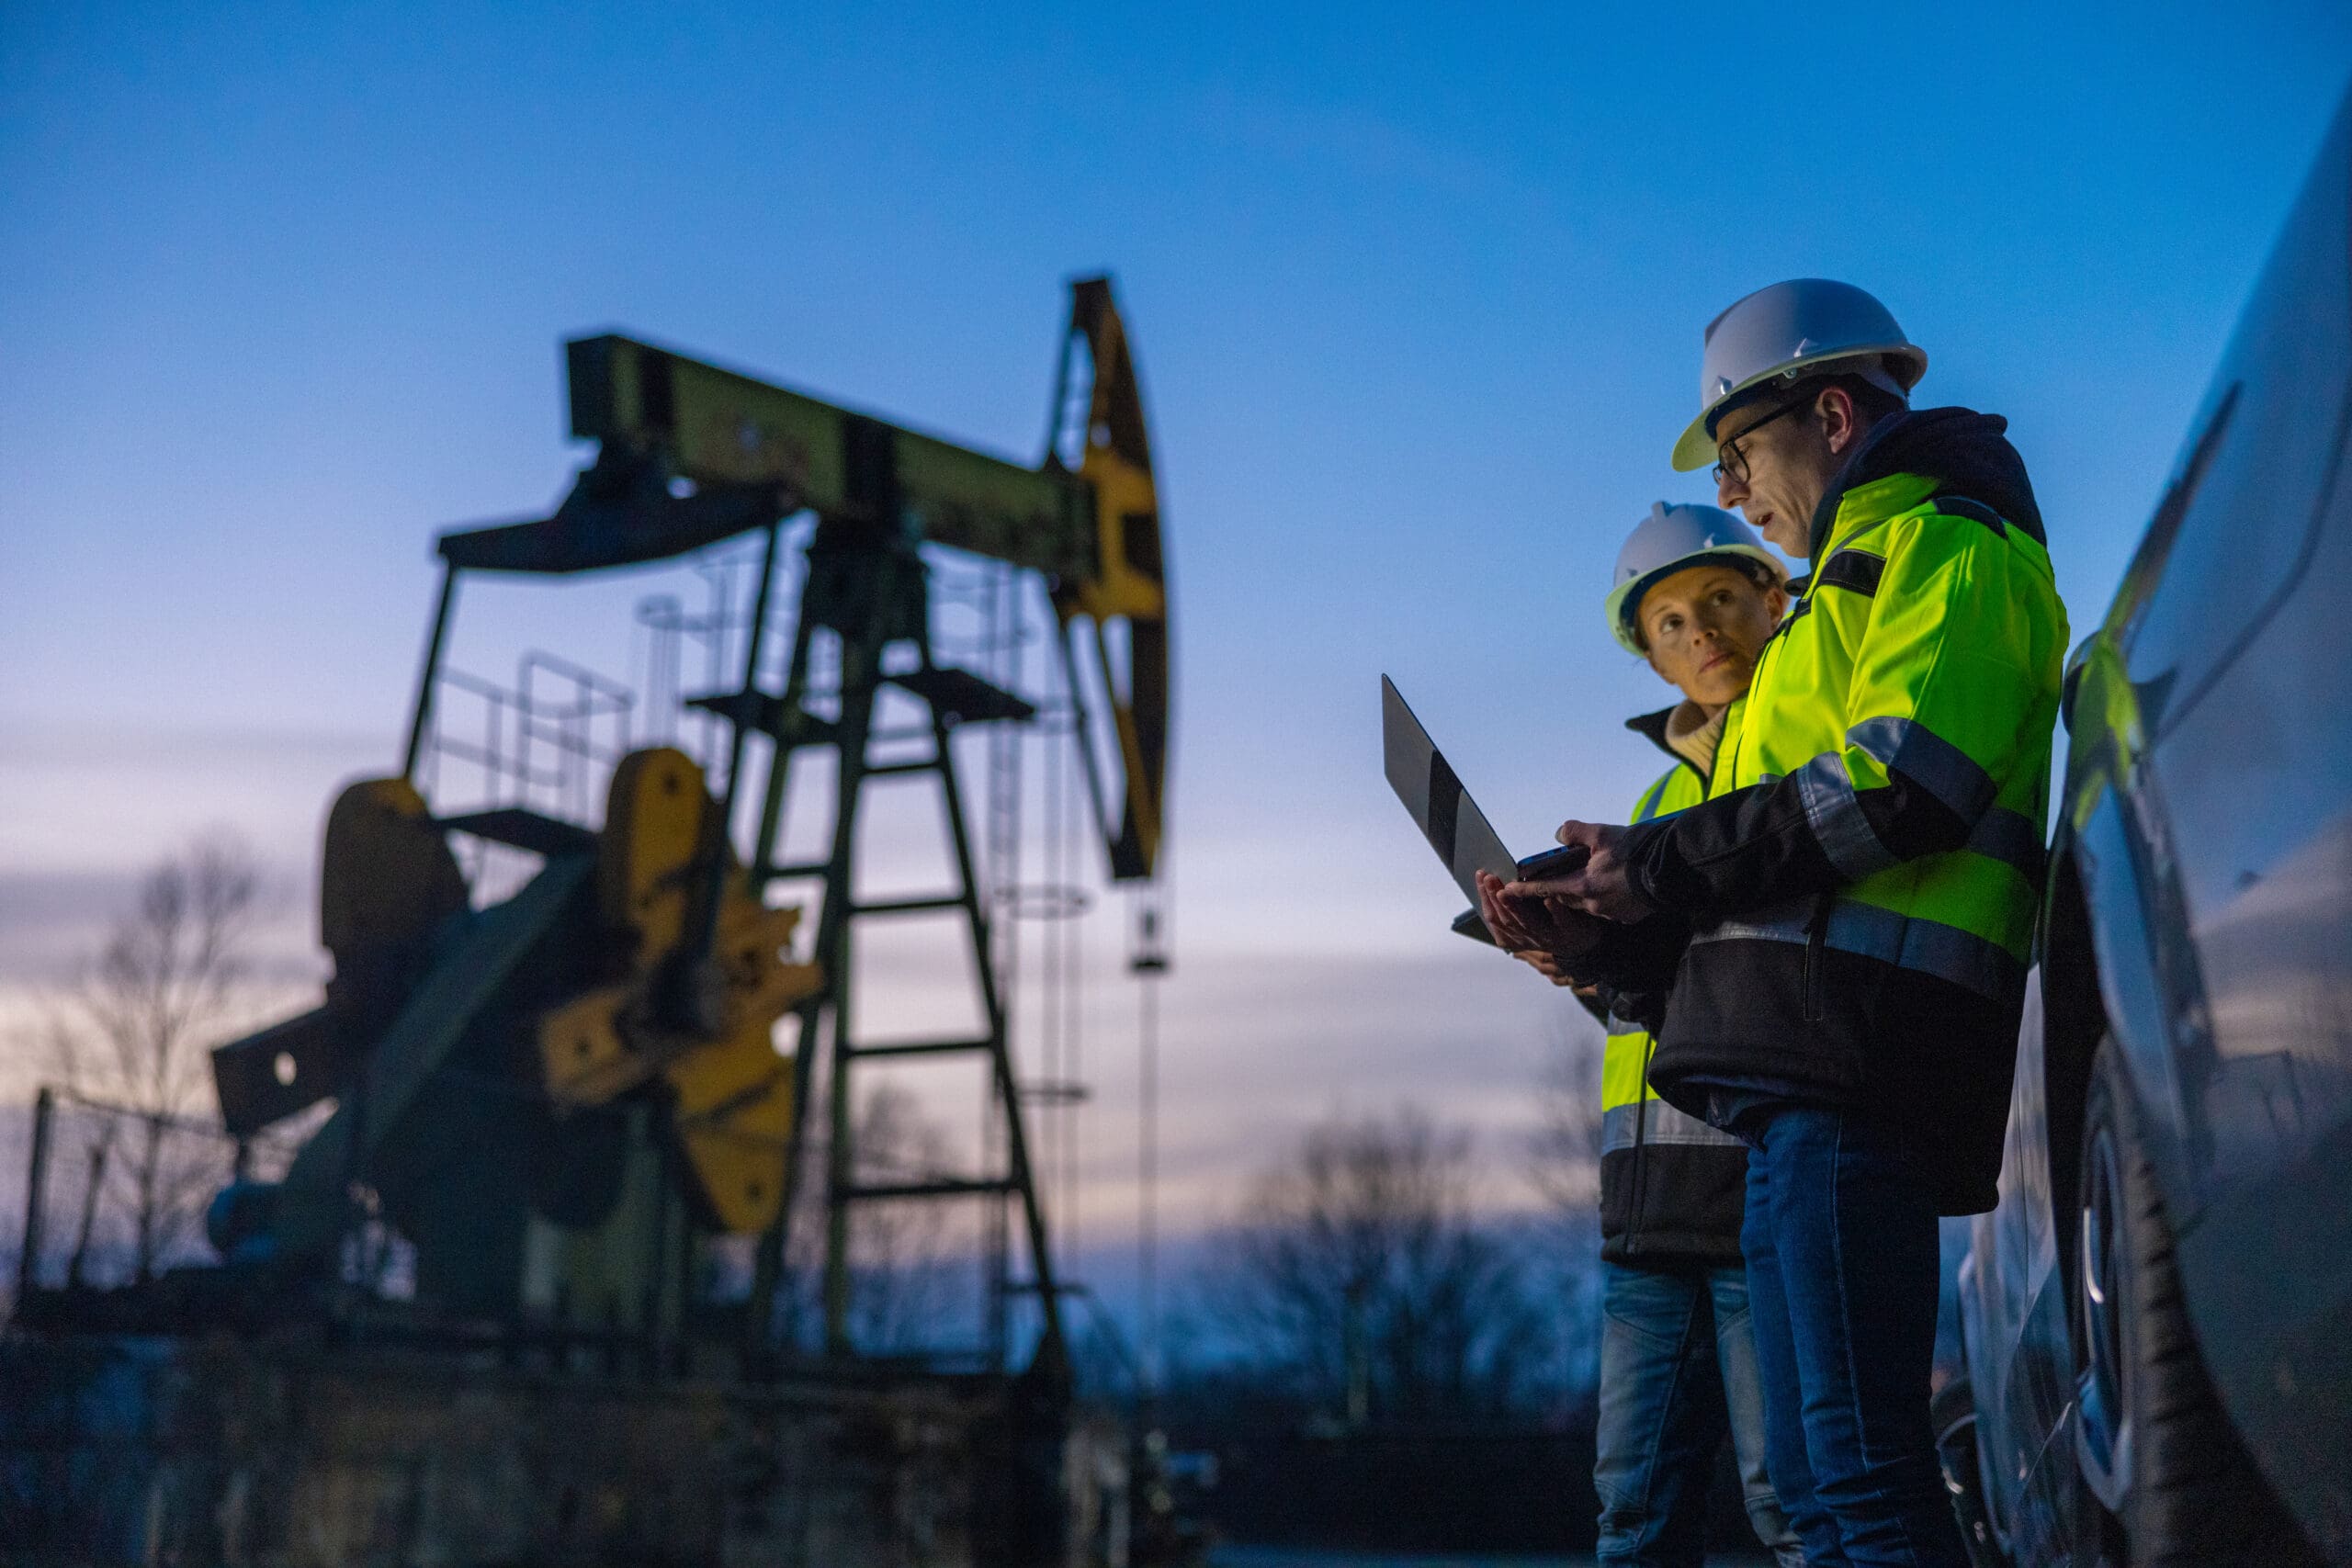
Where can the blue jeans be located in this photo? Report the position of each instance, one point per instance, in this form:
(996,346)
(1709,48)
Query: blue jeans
(1677,1365)
(1840,1238)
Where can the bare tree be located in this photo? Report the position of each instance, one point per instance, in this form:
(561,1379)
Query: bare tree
(1364,1276)
(905,1257)
(1564,1162)
(133,1031)
(1564,1168)
(901,1259)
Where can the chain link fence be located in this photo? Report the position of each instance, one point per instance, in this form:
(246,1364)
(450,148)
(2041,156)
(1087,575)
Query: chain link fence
(109,1195)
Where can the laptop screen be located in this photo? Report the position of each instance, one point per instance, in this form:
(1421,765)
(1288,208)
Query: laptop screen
(1442,809)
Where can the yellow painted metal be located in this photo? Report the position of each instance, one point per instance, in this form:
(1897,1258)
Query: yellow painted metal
(734,1116)
(654,821)
(734,1095)
(386,875)
(583,1053)
(720,427)
(731,1090)
(1126,598)
(1116,464)
(387,882)
(749,936)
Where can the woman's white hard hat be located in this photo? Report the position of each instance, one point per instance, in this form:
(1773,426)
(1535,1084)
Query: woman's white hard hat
(1803,327)
(1672,539)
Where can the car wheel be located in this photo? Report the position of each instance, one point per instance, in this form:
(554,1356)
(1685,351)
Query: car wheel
(2173,1486)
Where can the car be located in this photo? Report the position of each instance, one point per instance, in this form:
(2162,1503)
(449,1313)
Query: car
(2156,1323)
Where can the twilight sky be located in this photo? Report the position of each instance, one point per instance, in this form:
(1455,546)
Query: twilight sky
(1418,304)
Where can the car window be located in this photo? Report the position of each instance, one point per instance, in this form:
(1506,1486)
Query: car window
(2277,410)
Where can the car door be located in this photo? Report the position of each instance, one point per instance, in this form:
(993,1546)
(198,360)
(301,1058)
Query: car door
(2243,663)
(2239,657)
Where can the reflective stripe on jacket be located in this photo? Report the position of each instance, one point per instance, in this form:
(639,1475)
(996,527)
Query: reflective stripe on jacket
(1672,1188)
(1862,879)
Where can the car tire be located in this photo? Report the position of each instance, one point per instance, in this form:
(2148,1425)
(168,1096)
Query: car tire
(2172,1485)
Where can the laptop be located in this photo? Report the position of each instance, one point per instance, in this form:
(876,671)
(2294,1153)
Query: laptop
(1446,815)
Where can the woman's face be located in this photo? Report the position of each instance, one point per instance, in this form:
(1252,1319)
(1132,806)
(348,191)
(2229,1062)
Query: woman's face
(1704,627)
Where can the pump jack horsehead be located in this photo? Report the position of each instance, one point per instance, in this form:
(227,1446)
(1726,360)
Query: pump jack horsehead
(551,1095)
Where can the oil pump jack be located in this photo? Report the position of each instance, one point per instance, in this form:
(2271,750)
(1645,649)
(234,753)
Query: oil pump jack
(557,1095)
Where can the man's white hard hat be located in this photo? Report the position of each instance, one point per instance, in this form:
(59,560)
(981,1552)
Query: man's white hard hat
(1672,539)
(1804,327)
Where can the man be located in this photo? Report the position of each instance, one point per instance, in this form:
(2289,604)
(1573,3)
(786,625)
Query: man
(1697,596)
(1841,928)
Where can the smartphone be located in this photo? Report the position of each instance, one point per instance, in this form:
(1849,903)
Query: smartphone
(1552,862)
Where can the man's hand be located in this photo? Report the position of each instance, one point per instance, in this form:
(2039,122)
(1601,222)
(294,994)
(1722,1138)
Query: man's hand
(1521,925)
(1596,888)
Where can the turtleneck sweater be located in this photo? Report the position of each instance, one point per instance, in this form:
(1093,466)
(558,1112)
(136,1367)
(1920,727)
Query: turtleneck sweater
(1694,736)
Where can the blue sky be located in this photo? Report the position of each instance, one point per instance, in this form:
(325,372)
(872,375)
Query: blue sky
(1418,301)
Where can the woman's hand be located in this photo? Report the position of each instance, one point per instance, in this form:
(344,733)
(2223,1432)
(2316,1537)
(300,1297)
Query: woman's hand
(1522,923)
(1551,969)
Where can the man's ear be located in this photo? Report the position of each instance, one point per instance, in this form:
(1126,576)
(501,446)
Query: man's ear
(1841,422)
(1776,600)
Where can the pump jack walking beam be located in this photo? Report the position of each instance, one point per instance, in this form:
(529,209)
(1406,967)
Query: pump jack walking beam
(748,452)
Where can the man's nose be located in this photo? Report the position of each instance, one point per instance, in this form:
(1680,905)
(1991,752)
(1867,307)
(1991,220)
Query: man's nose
(1729,492)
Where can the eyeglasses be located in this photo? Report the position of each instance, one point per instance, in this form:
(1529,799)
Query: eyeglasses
(1731,457)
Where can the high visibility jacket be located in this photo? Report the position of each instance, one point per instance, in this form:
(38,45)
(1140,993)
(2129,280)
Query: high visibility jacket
(1672,1188)
(1862,880)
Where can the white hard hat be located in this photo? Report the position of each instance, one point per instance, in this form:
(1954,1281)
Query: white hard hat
(1672,539)
(1792,330)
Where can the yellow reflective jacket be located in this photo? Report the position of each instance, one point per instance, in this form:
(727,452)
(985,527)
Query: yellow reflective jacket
(1672,1188)
(1862,879)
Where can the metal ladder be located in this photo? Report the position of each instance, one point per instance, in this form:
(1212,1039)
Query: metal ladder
(870,595)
